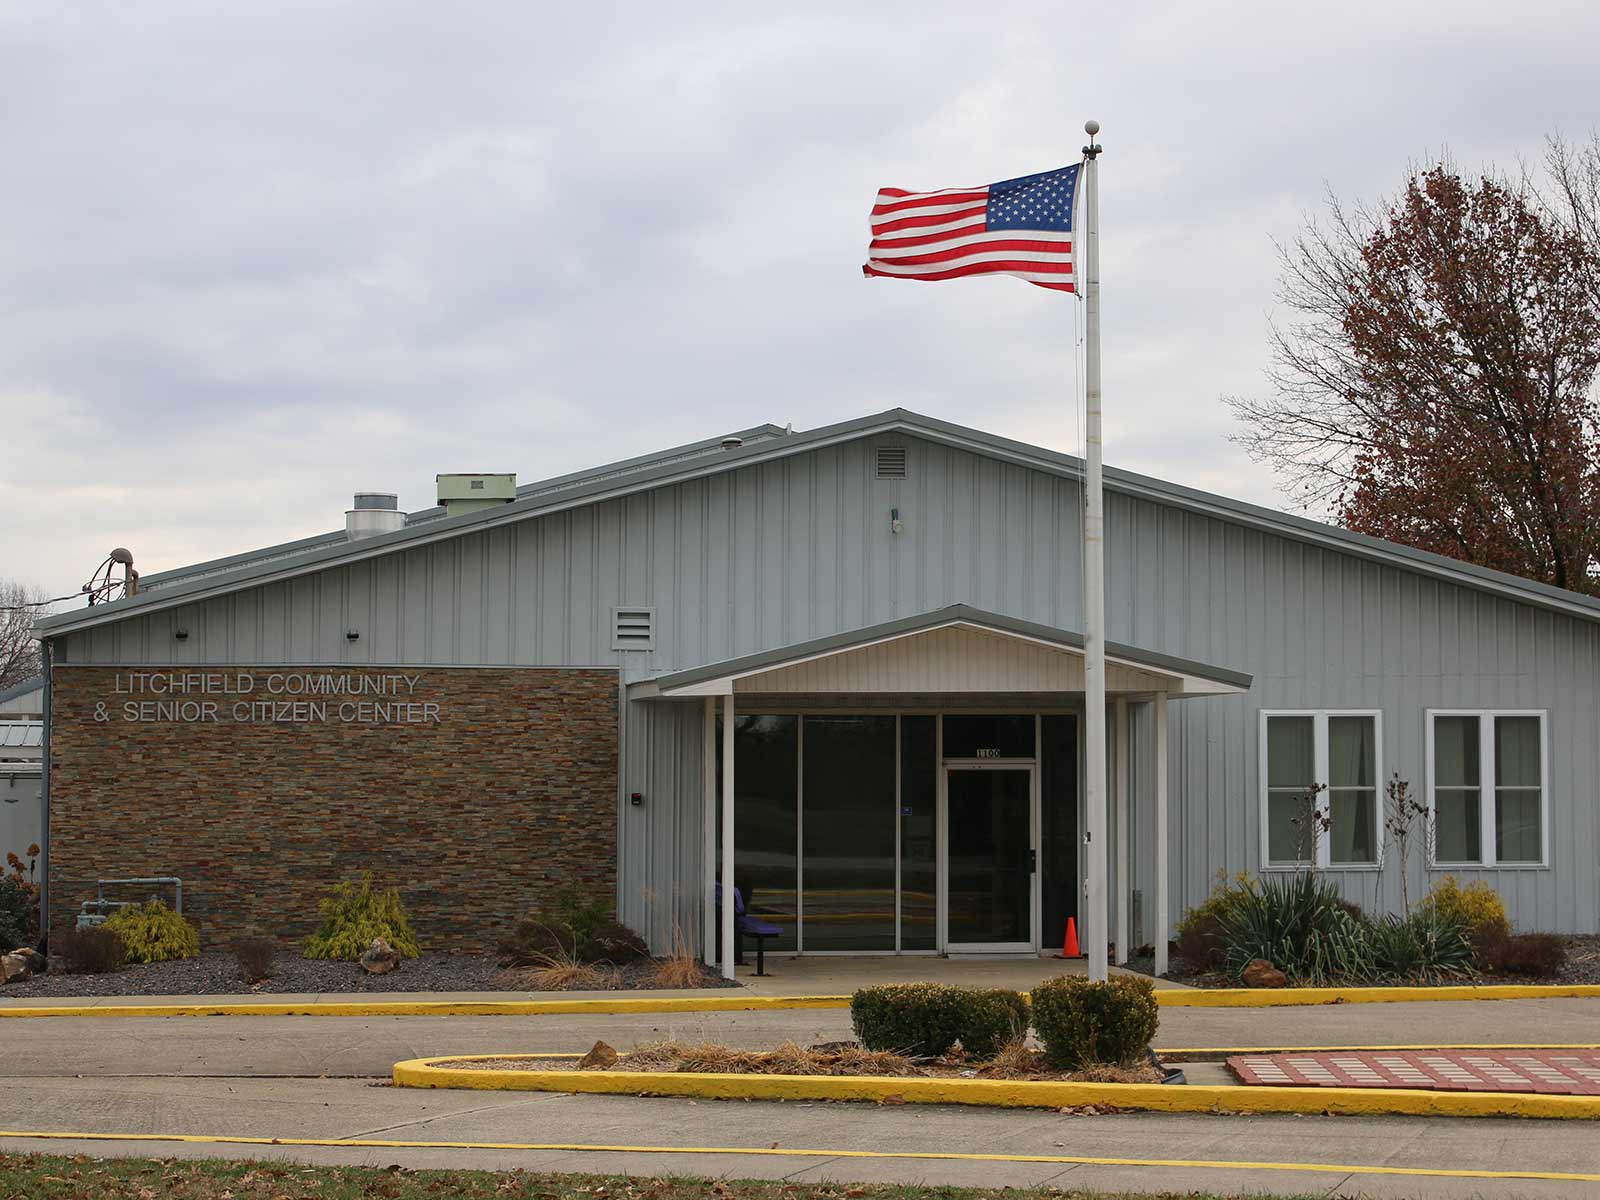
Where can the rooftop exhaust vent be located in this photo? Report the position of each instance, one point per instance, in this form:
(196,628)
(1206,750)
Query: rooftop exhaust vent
(633,628)
(732,443)
(470,492)
(373,513)
(891,462)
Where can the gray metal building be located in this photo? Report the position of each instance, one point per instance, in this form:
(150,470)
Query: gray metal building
(890,608)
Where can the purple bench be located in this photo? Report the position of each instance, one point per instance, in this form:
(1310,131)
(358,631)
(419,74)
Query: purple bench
(744,924)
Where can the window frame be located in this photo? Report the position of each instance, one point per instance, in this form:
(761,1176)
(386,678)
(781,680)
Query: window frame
(1319,750)
(1489,790)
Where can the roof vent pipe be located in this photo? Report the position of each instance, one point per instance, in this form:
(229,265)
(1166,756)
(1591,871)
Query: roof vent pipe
(732,443)
(374,513)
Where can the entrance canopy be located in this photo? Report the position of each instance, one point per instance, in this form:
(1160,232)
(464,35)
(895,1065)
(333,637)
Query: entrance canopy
(945,652)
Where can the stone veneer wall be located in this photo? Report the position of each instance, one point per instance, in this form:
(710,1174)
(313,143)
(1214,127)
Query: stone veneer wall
(478,809)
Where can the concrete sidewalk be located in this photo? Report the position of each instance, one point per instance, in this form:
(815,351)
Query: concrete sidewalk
(819,1142)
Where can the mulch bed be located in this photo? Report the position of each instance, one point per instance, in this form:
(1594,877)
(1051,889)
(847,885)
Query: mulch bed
(833,1059)
(1583,966)
(216,973)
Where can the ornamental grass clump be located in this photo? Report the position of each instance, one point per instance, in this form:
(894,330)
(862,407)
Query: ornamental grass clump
(353,915)
(153,933)
(1301,926)
(1082,1023)
(1426,946)
(923,1020)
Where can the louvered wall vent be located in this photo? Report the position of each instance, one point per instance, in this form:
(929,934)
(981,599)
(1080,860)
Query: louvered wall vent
(633,629)
(891,462)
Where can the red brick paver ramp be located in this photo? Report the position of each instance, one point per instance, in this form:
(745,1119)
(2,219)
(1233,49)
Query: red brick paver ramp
(1552,1072)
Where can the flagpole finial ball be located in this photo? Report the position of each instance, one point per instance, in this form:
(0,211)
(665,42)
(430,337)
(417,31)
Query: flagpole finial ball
(1091,127)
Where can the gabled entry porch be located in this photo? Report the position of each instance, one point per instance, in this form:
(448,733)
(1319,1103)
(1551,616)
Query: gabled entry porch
(916,787)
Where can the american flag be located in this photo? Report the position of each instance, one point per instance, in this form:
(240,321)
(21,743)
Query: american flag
(1019,227)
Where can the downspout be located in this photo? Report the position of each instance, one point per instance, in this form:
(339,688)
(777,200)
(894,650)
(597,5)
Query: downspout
(44,805)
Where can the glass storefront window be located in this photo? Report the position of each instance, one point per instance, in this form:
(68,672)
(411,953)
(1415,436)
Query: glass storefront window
(985,735)
(766,759)
(849,833)
(919,847)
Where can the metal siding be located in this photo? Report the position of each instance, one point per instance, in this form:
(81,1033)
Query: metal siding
(800,548)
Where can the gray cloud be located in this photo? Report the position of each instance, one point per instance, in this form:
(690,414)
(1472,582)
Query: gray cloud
(253,258)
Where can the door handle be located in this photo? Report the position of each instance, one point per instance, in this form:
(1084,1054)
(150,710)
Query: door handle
(1033,861)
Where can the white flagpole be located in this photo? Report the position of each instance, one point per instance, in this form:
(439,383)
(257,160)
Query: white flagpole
(1096,922)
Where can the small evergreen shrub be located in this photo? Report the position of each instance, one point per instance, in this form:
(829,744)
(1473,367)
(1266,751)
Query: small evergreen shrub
(612,942)
(353,915)
(1300,925)
(1425,946)
(19,914)
(95,950)
(581,911)
(923,1020)
(253,956)
(1083,1024)
(1202,944)
(153,933)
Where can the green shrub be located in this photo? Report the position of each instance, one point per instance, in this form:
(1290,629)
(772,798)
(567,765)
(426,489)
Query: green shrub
(353,915)
(923,1020)
(1426,945)
(1083,1024)
(1298,924)
(95,950)
(1201,942)
(153,933)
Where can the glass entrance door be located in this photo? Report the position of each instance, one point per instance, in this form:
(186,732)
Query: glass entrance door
(991,859)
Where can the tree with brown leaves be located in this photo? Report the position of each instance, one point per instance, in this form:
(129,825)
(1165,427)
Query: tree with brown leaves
(19,651)
(1435,383)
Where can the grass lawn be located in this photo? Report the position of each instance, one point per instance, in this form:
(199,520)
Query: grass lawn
(38,1177)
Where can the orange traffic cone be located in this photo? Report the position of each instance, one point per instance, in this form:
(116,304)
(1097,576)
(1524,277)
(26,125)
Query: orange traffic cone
(1069,944)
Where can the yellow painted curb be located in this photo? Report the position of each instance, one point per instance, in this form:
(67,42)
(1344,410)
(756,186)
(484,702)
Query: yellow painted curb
(997,1093)
(434,1008)
(1294,997)
(1165,997)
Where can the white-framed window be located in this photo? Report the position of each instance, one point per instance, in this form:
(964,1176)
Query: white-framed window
(1488,787)
(1340,749)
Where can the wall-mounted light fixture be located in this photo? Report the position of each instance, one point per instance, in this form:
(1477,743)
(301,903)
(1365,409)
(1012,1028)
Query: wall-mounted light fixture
(351,635)
(181,634)
(894,521)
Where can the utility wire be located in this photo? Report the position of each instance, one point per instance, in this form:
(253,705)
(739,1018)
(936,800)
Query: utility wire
(40,603)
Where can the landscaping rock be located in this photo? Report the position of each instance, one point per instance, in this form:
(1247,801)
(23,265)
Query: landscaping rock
(380,958)
(14,966)
(599,1058)
(1262,974)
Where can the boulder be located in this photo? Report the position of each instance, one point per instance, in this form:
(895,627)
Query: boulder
(1262,974)
(37,963)
(600,1057)
(380,958)
(14,967)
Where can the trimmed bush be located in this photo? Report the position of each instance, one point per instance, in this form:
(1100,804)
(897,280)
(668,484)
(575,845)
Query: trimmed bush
(612,942)
(153,933)
(581,911)
(1202,944)
(1539,955)
(1083,1024)
(923,1020)
(95,950)
(353,915)
(534,941)
(1426,945)
(1300,926)
(253,956)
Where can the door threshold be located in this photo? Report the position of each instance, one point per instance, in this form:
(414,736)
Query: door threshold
(992,955)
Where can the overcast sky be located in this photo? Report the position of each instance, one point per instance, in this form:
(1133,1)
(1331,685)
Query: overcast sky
(257,256)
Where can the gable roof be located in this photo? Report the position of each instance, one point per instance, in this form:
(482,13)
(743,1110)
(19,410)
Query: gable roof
(1192,678)
(24,688)
(661,470)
